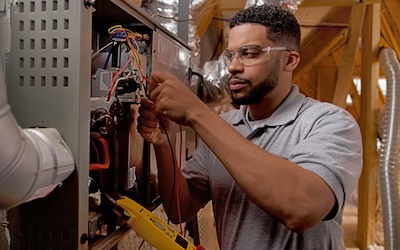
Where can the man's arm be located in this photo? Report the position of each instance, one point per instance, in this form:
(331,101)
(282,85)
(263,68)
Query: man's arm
(153,129)
(297,197)
(169,185)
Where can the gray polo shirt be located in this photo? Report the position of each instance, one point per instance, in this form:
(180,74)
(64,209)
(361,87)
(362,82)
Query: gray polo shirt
(317,136)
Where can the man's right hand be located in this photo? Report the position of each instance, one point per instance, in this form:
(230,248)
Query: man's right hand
(152,127)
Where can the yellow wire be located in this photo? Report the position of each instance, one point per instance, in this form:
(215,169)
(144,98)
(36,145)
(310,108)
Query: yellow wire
(114,27)
(134,52)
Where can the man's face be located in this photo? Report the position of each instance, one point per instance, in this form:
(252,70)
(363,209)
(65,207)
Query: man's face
(254,71)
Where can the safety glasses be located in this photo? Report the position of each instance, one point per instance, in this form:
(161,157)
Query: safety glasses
(250,55)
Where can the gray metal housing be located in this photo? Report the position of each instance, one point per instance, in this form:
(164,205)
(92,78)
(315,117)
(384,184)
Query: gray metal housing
(49,76)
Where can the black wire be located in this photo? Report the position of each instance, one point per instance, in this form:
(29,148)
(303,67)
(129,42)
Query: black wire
(173,162)
(141,244)
(173,158)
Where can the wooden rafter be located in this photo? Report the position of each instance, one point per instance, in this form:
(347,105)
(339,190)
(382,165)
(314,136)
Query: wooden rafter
(231,5)
(367,198)
(321,43)
(320,51)
(392,23)
(205,15)
(346,67)
(314,3)
(389,35)
(355,97)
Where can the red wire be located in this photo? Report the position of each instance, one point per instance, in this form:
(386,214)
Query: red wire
(115,78)
(178,181)
(95,150)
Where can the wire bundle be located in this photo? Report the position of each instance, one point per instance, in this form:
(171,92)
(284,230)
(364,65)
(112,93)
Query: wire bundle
(118,34)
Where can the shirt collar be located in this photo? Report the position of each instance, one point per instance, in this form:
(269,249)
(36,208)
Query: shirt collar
(285,113)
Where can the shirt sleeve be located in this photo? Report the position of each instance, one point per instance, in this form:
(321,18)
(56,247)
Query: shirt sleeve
(332,149)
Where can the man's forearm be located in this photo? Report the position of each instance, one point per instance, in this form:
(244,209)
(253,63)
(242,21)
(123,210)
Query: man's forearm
(168,174)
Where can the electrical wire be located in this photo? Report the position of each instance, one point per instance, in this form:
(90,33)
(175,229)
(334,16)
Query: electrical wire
(115,77)
(136,56)
(178,203)
(96,151)
(109,55)
(176,182)
(120,79)
(120,34)
(101,118)
(100,50)
(141,244)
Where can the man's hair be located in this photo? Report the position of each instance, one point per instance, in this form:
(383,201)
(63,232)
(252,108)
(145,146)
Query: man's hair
(283,28)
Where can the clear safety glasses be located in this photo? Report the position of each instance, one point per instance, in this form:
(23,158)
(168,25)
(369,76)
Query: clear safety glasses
(250,55)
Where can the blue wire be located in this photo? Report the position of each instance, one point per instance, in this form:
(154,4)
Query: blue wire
(108,56)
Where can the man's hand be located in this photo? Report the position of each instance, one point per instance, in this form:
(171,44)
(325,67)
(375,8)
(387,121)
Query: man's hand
(173,99)
(153,127)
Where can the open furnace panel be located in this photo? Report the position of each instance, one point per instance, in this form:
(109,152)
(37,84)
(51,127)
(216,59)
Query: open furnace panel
(83,69)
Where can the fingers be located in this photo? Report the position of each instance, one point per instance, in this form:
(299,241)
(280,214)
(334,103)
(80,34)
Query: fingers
(157,78)
(146,104)
(146,128)
(147,120)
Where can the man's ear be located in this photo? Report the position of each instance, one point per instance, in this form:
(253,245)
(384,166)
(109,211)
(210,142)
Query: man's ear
(292,61)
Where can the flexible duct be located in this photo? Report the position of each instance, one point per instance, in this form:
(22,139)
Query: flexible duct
(32,161)
(389,154)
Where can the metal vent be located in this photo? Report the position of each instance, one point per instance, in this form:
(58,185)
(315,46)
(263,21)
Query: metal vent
(43,26)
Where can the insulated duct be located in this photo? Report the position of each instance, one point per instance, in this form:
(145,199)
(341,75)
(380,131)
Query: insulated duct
(389,154)
(166,12)
(32,161)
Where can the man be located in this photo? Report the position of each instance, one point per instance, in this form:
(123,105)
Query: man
(279,169)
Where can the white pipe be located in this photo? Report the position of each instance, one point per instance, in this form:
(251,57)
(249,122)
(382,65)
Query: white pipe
(32,161)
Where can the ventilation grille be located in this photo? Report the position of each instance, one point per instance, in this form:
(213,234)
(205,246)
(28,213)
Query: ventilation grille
(41,238)
(43,27)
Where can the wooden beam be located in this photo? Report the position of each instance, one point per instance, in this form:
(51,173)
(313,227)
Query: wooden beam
(320,50)
(307,84)
(322,42)
(346,67)
(388,33)
(205,15)
(239,4)
(231,5)
(367,198)
(325,80)
(315,3)
(355,97)
(393,8)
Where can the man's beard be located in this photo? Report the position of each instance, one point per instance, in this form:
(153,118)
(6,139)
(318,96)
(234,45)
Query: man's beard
(258,92)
